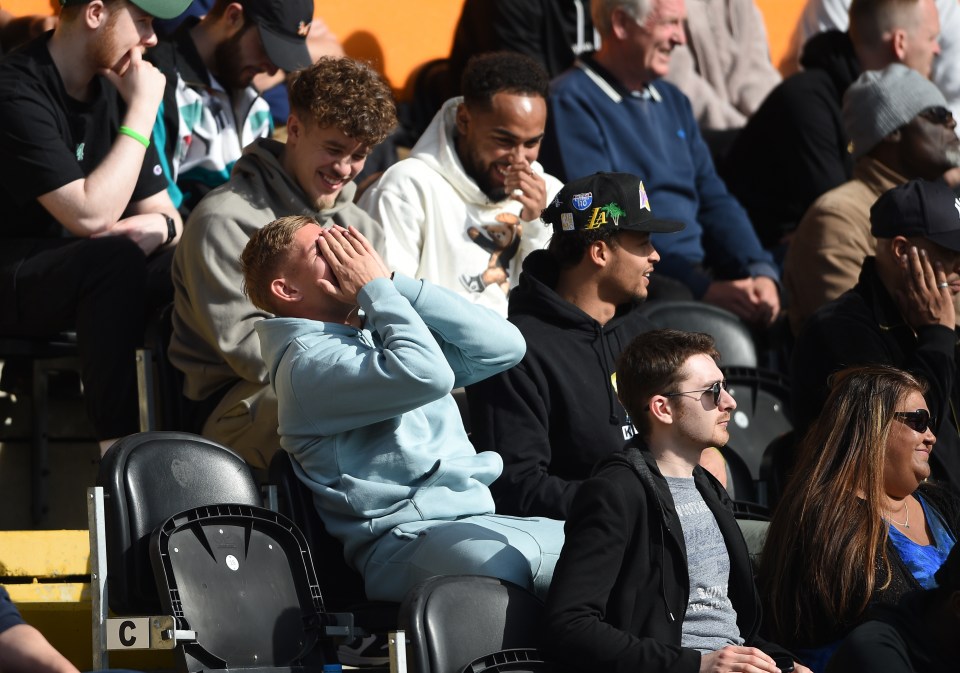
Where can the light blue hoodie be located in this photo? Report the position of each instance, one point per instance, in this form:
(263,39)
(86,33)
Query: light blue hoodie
(368,415)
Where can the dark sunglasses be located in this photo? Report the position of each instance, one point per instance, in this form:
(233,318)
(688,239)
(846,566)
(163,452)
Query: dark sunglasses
(918,420)
(714,390)
(937,114)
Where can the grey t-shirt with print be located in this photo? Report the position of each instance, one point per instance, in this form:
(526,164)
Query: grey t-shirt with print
(710,622)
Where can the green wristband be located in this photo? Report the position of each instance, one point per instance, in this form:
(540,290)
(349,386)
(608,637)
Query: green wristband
(127,131)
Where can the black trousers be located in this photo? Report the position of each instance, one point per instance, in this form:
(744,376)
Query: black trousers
(105,289)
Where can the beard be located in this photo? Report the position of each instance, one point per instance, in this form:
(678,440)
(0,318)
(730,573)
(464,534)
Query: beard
(103,51)
(227,62)
(953,157)
(473,167)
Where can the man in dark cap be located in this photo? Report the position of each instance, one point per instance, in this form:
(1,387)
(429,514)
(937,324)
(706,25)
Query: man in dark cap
(556,413)
(88,227)
(901,313)
(210,110)
(900,129)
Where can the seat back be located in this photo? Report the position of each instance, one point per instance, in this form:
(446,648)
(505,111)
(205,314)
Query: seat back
(169,407)
(778,462)
(45,354)
(762,412)
(147,478)
(732,336)
(342,585)
(471,623)
(241,578)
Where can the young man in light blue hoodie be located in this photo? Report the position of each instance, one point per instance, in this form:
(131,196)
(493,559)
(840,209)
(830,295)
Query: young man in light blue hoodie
(363,362)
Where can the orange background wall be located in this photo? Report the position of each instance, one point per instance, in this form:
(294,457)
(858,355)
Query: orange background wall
(399,36)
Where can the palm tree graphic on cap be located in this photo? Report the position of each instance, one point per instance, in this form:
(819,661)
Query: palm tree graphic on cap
(614,211)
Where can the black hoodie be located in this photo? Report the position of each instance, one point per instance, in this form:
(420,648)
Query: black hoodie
(556,413)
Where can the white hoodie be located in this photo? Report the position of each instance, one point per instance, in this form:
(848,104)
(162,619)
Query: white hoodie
(429,207)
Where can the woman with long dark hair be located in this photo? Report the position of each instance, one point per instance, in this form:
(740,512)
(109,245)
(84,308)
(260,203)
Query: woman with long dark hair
(857,524)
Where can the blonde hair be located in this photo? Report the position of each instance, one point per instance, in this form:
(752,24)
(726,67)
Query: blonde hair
(264,254)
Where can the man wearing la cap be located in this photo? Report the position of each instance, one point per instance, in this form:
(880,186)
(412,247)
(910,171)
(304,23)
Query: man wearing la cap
(210,111)
(901,312)
(901,129)
(556,413)
(88,226)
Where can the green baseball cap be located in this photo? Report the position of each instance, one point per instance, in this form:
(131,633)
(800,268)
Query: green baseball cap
(159,9)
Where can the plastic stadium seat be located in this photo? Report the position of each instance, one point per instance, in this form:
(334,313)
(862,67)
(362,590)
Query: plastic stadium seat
(468,623)
(732,336)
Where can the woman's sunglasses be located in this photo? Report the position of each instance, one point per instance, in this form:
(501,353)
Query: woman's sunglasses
(918,420)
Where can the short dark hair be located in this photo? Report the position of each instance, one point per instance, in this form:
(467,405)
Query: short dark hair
(502,72)
(568,247)
(653,364)
(870,20)
(263,255)
(347,95)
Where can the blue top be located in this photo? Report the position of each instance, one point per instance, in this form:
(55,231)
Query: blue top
(368,416)
(924,560)
(598,125)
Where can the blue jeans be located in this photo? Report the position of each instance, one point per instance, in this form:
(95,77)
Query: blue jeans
(521,550)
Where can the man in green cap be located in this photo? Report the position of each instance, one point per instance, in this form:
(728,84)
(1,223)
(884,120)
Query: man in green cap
(88,227)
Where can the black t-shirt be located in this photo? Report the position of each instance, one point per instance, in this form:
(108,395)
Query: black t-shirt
(48,140)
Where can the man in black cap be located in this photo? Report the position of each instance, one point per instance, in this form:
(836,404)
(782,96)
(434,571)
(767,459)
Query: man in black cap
(556,413)
(901,313)
(210,110)
(88,226)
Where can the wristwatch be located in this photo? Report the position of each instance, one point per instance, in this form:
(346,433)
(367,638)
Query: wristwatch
(171,229)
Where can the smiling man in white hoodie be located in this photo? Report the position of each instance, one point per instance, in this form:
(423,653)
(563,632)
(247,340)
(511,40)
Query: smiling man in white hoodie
(463,210)
(340,110)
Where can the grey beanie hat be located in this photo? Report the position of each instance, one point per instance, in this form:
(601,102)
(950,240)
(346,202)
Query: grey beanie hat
(881,101)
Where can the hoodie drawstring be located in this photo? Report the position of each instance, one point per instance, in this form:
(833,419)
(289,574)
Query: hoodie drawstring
(607,365)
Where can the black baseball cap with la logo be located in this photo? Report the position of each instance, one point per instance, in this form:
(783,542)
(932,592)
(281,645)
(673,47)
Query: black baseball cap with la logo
(615,200)
(284,26)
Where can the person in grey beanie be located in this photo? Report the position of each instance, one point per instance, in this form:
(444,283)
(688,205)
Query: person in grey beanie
(900,129)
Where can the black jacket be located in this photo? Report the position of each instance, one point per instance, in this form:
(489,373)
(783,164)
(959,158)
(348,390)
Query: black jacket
(544,30)
(620,589)
(555,414)
(898,640)
(794,148)
(864,326)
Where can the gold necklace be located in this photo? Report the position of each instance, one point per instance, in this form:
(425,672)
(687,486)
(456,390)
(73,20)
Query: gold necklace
(905,524)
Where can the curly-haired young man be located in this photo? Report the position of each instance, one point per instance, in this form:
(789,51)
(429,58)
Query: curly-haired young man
(340,110)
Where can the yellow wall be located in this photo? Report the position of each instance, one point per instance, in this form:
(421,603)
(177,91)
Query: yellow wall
(399,36)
